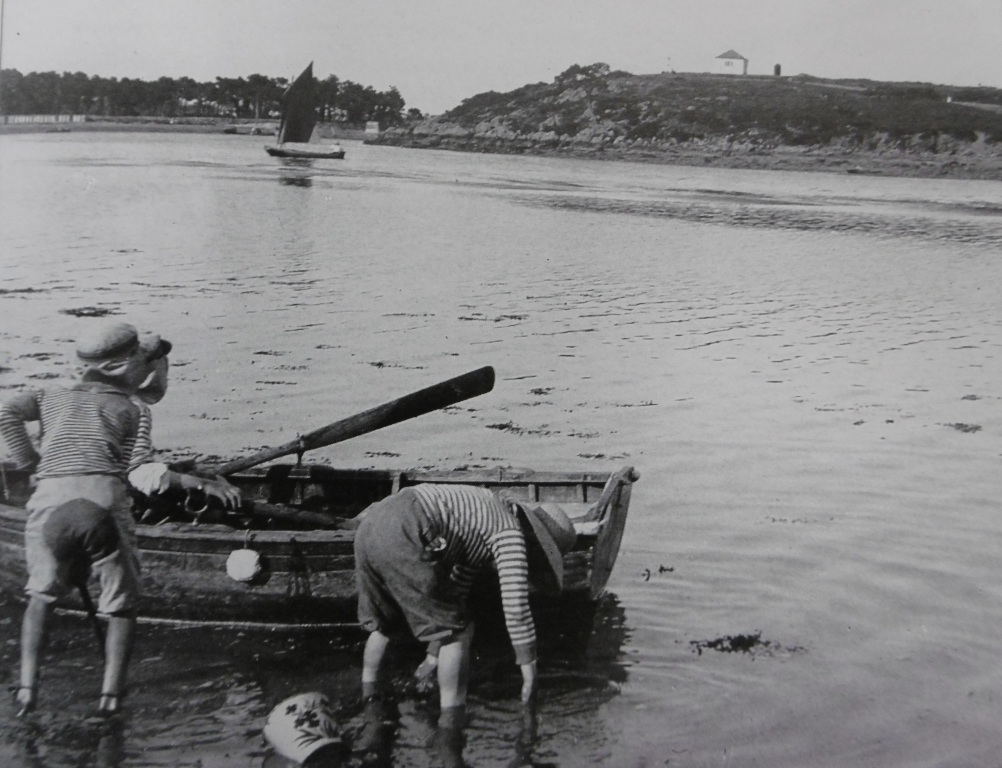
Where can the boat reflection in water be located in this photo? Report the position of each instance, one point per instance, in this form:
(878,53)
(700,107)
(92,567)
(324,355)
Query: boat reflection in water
(296,172)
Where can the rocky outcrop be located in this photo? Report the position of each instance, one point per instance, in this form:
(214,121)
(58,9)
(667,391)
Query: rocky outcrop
(720,120)
(912,156)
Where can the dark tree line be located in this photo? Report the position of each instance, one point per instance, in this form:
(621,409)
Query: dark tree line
(256,96)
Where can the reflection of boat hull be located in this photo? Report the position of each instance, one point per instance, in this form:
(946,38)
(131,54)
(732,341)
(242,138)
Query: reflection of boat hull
(333,153)
(300,521)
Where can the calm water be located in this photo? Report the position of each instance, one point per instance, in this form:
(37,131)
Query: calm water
(805,369)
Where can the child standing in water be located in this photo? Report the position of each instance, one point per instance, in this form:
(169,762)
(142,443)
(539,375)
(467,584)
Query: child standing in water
(91,434)
(80,514)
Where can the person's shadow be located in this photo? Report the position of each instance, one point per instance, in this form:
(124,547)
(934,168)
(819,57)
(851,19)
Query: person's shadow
(110,749)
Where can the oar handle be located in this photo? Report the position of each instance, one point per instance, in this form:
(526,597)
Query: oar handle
(423,401)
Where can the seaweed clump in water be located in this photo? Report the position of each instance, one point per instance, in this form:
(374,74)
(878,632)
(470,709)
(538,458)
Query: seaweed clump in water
(966,428)
(731,643)
(89,312)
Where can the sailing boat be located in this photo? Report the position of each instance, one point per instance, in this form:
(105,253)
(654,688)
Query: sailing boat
(299,118)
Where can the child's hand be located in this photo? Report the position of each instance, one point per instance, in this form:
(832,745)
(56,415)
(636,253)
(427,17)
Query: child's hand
(424,676)
(223,491)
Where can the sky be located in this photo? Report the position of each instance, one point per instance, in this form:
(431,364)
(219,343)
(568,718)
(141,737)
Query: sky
(439,52)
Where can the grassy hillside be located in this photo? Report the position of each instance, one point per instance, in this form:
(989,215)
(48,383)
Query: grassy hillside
(592,109)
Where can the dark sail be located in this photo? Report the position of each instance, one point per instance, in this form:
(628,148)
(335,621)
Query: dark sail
(299,114)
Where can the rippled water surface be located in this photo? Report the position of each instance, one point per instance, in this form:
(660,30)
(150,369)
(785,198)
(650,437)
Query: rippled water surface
(805,369)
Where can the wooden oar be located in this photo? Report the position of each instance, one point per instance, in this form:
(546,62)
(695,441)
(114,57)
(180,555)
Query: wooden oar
(430,399)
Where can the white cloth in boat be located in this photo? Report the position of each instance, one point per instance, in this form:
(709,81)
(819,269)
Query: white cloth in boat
(150,478)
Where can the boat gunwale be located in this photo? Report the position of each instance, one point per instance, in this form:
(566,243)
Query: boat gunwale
(174,593)
(500,477)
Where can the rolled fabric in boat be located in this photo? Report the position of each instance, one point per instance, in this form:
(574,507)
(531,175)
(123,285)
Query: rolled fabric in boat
(244,565)
(302,729)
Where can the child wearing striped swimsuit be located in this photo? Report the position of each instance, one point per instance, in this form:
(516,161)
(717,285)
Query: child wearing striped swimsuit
(417,554)
(91,434)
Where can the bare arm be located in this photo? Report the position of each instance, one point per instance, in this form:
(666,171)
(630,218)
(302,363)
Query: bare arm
(154,477)
(14,415)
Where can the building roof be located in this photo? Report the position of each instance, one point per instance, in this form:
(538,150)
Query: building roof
(731,54)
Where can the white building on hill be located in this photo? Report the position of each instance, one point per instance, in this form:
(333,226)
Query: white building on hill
(731,63)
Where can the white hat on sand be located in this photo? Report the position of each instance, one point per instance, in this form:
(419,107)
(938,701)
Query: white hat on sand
(302,727)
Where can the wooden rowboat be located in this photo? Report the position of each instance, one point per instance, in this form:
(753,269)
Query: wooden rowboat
(300,519)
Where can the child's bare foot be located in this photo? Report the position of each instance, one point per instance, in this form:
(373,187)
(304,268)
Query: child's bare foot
(110,704)
(25,698)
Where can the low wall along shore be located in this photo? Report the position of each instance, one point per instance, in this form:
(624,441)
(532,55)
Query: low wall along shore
(245,126)
(27,119)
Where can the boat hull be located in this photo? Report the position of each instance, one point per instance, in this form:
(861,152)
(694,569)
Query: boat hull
(319,154)
(309,573)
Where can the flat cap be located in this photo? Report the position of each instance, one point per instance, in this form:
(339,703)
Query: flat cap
(107,341)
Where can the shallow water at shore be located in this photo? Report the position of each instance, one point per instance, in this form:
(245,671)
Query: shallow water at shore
(803,367)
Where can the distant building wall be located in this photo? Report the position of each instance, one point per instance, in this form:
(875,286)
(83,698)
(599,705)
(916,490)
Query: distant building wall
(372,127)
(731,63)
(20,119)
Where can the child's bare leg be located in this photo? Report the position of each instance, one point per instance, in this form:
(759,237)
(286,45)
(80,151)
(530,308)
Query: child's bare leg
(118,646)
(372,660)
(453,669)
(32,641)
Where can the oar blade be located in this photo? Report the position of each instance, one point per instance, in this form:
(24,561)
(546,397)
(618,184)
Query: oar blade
(433,398)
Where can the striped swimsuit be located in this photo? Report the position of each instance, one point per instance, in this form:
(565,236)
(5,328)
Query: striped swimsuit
(90,429)
(479,530)
(91,435)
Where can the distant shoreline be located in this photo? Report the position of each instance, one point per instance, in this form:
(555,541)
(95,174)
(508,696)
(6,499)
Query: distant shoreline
(162,125)
(986,167)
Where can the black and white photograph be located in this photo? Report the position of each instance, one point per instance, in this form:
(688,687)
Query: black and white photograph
(500,385)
